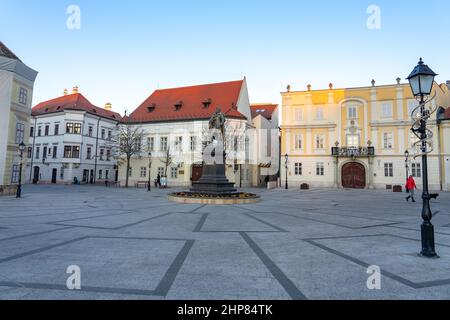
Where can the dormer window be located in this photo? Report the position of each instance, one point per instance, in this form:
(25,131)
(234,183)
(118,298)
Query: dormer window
(94,110)
(178,105)
(151,108)
(207,103)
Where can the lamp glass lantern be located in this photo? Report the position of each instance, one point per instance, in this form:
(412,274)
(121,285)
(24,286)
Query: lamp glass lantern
(22,147)
(421,79)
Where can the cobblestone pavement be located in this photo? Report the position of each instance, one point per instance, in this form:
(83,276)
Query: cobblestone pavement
(132,244)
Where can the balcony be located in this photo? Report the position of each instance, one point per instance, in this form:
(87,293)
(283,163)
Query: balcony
(353,152)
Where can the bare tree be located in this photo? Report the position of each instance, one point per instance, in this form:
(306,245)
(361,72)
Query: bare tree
(167,160)
(126,144)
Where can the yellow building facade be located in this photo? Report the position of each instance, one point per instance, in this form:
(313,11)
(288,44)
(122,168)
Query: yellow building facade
(356,137)
(16,92)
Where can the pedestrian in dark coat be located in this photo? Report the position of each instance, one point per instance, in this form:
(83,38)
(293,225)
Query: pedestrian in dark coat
(158,180)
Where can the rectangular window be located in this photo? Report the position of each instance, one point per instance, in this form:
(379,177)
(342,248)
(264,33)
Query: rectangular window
(416,171)
(103,133)
(55,152)
(298,142)
(130,172)
(39,131)
(31,132)
(108,155)
(15,173)
(44,153)
(100,174)
(143,172)
(320,141)
(90,131)
(298,169)
(46,130)
(163,144)
(388,140)
(386,110)
(388,169)
(161,171)
(107,174)
(23,96)
(77,128)
(20,132)
(352,112)
(353,140)
(320,169)
(412,105)
(179,144)
(89,153)
(174,173)
(69,127)
(151,144)
(298,115)
(102,154)
(30,152)
(75,152)
(109,134)
(38,150)
(319,114)
(193,143)
(67,152)
(56,129)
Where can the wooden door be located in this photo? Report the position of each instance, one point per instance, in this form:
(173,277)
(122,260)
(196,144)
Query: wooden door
(353,176)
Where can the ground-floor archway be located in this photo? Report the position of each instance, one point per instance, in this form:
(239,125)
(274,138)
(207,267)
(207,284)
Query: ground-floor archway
(353,175)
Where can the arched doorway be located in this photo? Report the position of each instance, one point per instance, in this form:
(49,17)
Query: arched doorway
(353,176)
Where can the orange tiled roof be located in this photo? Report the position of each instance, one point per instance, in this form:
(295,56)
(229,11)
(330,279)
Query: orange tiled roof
(266,110)
(190,103)
(74,101)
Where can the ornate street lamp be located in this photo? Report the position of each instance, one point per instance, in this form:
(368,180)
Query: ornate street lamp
(149,187)
(286,157)
(19,187)
(407,164)
(421,81)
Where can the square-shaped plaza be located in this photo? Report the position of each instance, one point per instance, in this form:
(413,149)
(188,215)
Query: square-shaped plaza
(134,244)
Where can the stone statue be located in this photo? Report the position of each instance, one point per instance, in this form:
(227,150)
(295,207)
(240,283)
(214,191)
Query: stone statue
(217,121)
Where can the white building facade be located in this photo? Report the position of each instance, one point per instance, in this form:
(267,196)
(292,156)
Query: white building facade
(70,142)
(177,120)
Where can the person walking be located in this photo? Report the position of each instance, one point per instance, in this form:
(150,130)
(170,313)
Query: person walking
(410,188)
(158,180)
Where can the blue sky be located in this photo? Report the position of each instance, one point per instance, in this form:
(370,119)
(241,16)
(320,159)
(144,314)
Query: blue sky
(127,49)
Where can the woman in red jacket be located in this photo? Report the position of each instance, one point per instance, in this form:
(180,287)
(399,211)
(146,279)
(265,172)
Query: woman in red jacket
(410,187)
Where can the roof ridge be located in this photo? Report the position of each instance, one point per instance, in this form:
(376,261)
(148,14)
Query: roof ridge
(199,85)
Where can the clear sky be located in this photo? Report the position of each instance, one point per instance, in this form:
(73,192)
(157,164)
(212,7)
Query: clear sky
(125,50)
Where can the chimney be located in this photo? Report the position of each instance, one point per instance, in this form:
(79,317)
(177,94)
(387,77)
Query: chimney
(65,92)
(108,106)
(75,89)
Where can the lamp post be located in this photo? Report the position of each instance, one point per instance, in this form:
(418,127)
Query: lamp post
(149,187)
(421,81)
(19,187)
(407,164)
(286,157)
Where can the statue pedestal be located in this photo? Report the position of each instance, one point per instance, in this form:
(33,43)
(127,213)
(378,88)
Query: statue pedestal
(213,181)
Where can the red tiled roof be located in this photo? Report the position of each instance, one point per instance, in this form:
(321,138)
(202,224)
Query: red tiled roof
(74,101)
(266,110)
(5,52)
(188,103)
